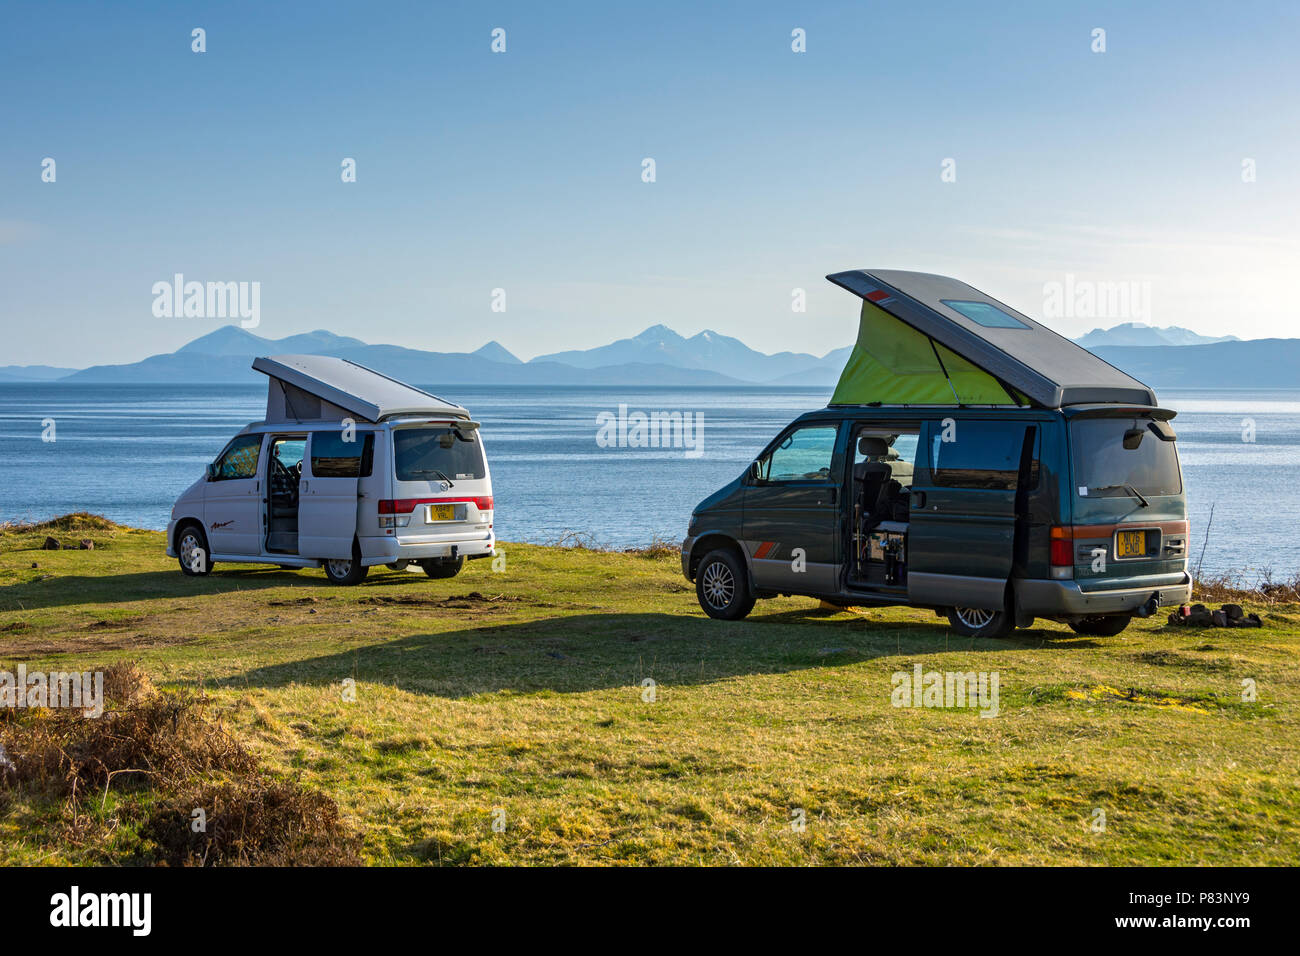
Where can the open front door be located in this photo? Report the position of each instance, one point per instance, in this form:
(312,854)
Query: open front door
(327,509)
(792,514)
(961,537)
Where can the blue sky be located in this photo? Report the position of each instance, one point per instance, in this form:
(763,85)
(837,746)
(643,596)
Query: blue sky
(522,170)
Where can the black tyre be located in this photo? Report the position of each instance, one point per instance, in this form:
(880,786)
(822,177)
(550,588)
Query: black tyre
(444,567)
(722,586)
(980,622)
(346,571)
(192,551)
(1101,625)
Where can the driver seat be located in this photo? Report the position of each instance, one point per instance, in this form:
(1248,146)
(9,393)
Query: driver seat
(873,473)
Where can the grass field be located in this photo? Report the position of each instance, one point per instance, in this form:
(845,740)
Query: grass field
(502,717)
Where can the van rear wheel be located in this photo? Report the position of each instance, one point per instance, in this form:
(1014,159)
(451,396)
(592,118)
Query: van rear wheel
(346,571)
(1101,625)
(980,622)
(443,567)
(722,586)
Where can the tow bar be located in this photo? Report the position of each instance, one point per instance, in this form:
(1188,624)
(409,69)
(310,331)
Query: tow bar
(1151,606)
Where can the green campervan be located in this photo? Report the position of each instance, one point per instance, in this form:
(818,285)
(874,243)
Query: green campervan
(971,461)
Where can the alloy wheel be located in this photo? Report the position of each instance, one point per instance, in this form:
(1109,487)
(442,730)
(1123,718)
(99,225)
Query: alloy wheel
(974,617)
(719,584)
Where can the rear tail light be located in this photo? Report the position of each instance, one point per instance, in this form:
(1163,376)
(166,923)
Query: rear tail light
(396,512)
(1061,552)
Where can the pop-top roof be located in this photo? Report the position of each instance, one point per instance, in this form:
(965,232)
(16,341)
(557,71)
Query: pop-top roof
(354,389)
(1025,358)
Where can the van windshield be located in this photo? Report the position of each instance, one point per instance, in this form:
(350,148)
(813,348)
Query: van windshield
(437,454)
(1104,468)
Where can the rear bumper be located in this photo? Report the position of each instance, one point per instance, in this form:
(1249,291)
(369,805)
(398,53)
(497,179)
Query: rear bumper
(388,550)
(687,545)
(1050,598)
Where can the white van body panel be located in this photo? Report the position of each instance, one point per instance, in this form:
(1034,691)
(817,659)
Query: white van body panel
(389,498)
(232,512)
(427,532)
(327,510)
(333,512)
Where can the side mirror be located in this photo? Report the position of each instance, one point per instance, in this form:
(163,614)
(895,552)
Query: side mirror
(211,470)
(754,471)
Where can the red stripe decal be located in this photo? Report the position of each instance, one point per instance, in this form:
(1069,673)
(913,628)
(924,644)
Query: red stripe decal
(877,295)
(765,549)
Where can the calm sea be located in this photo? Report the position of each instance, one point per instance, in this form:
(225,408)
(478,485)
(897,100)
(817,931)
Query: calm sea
(126,451)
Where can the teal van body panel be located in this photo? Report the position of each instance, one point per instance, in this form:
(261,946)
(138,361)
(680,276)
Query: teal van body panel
(963,522)
(791,524)
(971,539)
(1070,506)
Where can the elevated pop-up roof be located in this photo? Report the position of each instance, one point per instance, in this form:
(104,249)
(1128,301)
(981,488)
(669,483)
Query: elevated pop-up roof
(323,388)
(931,340)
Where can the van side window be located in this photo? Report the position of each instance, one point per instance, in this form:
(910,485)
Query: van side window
(803,455)
(972,454)
(333,457)
(239,460)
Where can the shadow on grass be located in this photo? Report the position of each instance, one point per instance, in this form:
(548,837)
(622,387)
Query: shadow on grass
(600,651)
(65,590)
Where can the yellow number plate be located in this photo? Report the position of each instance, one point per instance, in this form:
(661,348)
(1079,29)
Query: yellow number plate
(442,512)
(1131,544)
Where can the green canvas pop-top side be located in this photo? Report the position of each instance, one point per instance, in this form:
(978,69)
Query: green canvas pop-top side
(894,364)
(1005,356)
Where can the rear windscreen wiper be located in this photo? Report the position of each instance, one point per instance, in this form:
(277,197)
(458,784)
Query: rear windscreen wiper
(437,474)
(1130,489)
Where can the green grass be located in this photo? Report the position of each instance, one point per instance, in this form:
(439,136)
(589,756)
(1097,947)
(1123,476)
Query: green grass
(520,694)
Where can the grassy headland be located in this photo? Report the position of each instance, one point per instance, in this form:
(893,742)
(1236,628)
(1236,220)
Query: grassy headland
(505,718)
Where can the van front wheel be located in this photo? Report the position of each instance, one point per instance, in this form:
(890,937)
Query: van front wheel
(192,551)
(980,622)
(346,571)
(1101,625)
(722,586)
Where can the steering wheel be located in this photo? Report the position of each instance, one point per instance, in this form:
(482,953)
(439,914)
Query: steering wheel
(296,470)
(280,472)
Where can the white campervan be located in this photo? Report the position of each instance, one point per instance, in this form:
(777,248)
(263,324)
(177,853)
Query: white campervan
(350,469)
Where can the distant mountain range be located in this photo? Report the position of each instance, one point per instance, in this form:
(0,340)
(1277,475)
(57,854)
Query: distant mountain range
(660,356)
(33,373)
(1137,333)
(709,351)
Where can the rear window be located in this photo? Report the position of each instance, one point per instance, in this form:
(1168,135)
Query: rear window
(971,454)
(437,454)
(1104,468)
(333,456)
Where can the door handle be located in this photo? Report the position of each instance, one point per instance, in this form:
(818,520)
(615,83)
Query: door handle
(918,499)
